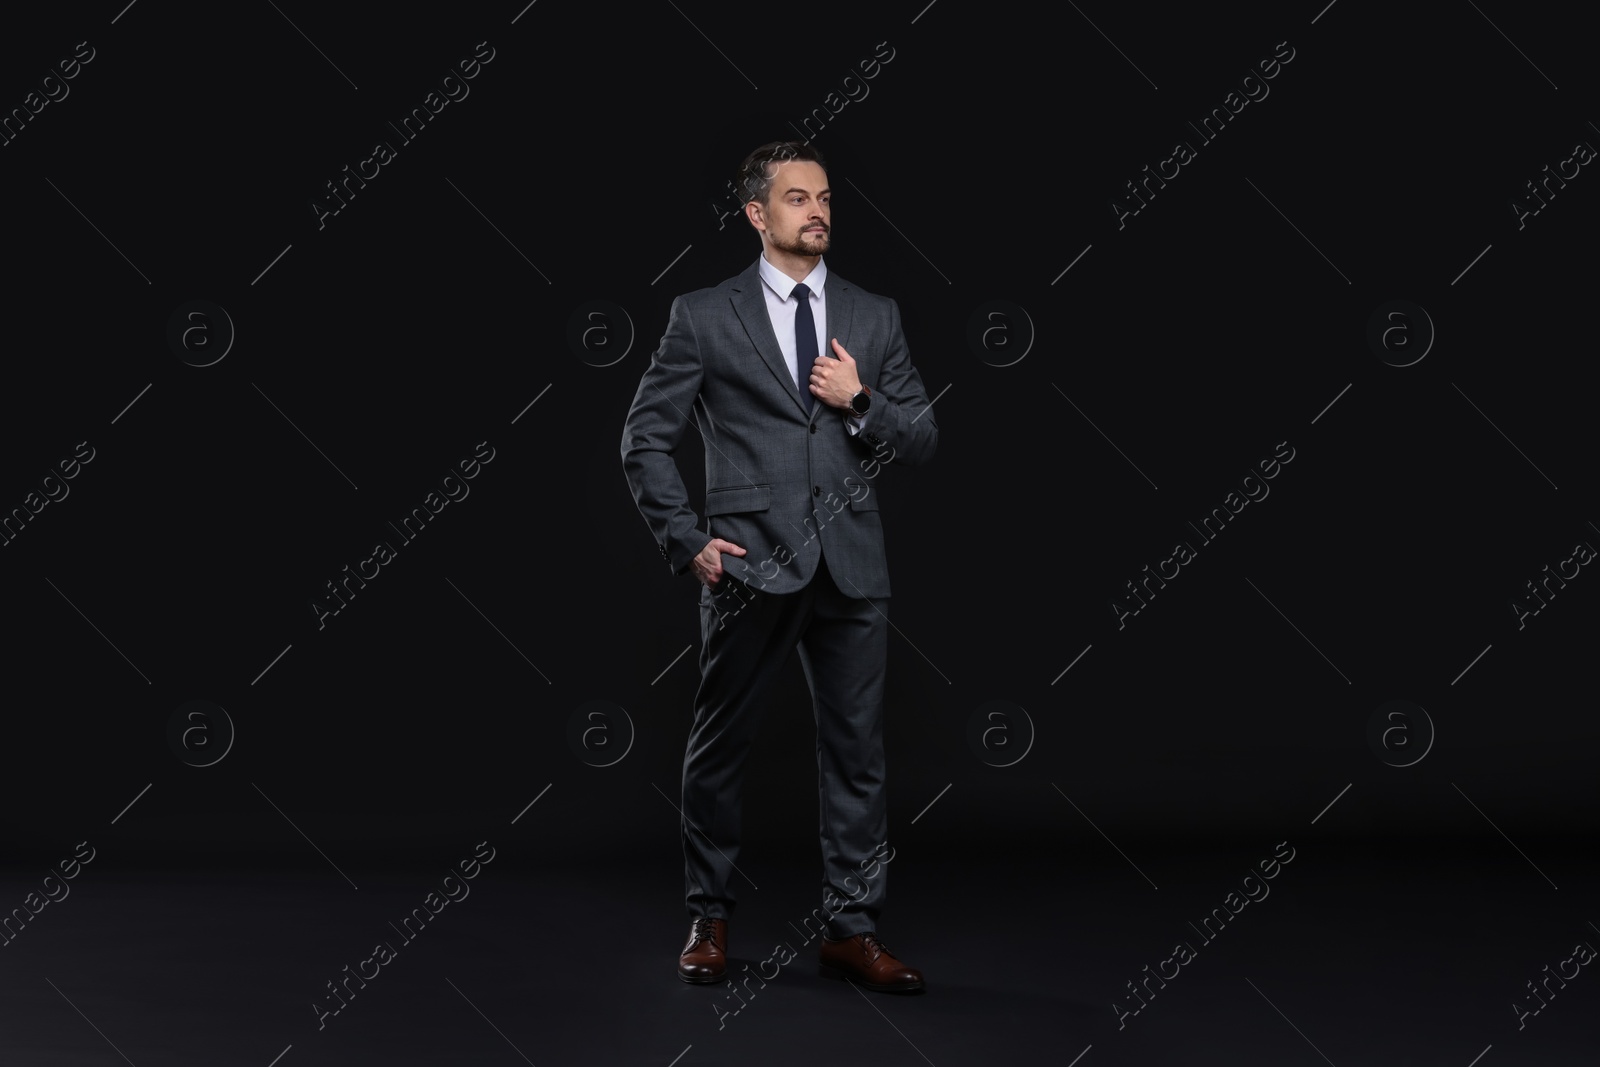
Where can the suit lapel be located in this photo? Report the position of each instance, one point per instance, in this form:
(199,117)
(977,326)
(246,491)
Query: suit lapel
(750,304)
(841,304)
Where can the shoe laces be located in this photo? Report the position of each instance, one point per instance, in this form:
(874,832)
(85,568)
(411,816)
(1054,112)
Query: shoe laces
(874,947)
(705,929)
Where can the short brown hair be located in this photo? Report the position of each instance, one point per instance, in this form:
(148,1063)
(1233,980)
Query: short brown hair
(754,182)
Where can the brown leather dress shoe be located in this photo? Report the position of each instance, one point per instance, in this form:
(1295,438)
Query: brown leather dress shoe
(867,960)
(705,956)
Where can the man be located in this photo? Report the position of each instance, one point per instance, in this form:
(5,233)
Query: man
(801,386)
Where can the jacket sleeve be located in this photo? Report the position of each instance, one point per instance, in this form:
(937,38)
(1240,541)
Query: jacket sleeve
(656,423)
(899,426)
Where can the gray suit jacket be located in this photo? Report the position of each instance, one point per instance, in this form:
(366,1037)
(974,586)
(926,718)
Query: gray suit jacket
(784,487)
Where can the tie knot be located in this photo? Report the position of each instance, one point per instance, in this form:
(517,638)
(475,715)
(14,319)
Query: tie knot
(801,291)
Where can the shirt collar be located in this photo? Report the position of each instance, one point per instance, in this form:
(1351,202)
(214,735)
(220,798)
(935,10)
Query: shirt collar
(783,285)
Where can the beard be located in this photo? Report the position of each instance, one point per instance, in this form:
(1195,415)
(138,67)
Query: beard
(804,244)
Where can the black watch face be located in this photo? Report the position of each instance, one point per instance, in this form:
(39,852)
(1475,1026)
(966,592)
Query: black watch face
(860,403)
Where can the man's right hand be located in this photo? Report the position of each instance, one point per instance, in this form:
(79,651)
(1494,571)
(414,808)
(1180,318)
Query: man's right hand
(707,565)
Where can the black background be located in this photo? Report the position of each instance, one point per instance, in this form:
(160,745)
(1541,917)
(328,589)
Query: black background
(984,160)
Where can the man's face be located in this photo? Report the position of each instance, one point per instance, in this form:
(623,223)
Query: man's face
(796,215)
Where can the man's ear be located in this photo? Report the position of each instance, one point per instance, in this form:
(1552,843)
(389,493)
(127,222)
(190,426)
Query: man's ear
(752,211)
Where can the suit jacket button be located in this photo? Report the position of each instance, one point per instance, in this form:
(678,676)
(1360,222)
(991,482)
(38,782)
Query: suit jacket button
(816,490)
(813,427)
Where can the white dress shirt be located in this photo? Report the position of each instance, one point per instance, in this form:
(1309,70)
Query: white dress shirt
(781,308)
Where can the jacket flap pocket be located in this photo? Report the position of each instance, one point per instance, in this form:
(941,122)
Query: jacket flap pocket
(738,498)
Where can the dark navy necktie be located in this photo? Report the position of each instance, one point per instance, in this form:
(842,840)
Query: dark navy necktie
(805,345)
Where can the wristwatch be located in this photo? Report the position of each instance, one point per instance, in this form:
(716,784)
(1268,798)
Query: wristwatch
(861,403)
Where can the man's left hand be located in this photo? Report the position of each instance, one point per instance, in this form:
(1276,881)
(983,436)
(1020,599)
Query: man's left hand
(834,381)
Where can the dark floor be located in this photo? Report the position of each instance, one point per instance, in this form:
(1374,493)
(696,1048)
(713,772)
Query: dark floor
(1356,956)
